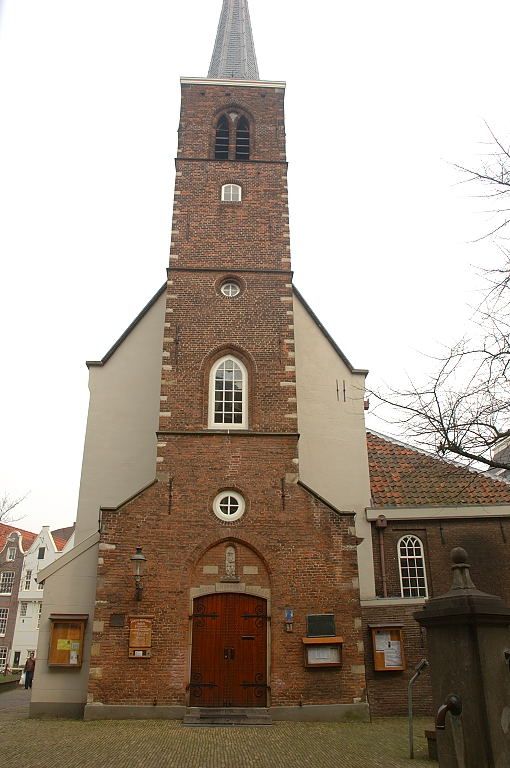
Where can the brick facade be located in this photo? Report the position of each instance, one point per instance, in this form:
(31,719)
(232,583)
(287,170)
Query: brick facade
(486,540)
(291,547)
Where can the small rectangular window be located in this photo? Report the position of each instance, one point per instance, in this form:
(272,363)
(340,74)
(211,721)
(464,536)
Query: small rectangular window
(11,554)
(41,553)
(6,582)
(23,608)
(17,655)
(28,580)
(4,613)
(3,658)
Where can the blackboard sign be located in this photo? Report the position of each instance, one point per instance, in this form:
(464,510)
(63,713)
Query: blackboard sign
(320,625)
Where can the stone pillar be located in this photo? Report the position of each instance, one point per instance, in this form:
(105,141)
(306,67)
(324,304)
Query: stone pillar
(468,632)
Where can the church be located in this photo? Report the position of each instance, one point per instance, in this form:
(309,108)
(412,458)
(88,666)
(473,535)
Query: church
(241,549)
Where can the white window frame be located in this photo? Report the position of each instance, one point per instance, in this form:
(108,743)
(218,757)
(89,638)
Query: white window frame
(27,581)
(3,658)
(23,609)
(227,193)
(244,390)
(39,612)
(225,289)
(412,561)
(236,515)
(3,578)
(11,554)
(4,616)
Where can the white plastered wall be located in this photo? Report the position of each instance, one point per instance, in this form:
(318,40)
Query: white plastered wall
(119,455)
(333,458)
(119,459)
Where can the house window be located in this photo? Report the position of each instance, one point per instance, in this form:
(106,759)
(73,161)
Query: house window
(243,139)
(11,554)
(228,388)
(41,553)
(231,193)
(39,615)
(23,608)
(6,582)
(229,506)
(4,612)
(413,579)
(222,138)
(40,585)
(17,655)
(3,658)
(28,579)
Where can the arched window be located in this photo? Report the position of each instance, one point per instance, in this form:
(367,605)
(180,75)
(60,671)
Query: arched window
(228,387)
(221,143)
(231,193)
(413,578)
(243,139)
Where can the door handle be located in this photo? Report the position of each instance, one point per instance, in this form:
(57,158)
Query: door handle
(229,654)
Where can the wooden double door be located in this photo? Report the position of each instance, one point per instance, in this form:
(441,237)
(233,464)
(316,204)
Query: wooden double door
(229,651)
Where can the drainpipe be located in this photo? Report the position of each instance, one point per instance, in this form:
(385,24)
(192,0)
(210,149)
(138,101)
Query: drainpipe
(381,523)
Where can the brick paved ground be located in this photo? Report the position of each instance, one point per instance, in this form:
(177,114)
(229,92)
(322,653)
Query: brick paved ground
(59,743)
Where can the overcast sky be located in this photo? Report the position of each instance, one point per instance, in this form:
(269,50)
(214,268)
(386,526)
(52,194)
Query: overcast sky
(380,97)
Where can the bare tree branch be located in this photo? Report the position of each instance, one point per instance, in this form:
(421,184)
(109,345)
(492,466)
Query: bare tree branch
(463,407)
(9,508)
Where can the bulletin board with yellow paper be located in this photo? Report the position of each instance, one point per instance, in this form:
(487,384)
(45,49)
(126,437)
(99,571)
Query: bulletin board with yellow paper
(66,640)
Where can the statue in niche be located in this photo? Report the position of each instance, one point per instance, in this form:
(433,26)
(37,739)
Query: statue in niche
(230,561)
(230,565)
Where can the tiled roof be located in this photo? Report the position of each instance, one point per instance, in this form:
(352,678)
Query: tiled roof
(61,536)
(401,476)
(28,537)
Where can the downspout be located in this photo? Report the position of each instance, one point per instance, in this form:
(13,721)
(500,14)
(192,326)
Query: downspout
(381,523)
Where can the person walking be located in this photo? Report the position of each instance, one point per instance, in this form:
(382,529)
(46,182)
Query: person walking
(29,671)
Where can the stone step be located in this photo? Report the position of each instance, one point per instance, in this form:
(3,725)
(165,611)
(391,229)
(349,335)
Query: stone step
(226,716)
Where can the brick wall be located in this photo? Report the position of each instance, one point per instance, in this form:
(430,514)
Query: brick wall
(304,553)
(288,542)
(488,543)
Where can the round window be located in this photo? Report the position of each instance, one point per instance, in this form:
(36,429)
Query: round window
(228,505)
(230,289)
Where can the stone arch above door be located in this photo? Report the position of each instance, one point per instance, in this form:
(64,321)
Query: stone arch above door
(230,565)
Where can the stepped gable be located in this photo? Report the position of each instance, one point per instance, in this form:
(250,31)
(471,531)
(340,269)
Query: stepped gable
(401,476)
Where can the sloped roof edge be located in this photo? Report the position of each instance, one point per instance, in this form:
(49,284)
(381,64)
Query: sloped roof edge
(324,501)
(361,371)
(99,363)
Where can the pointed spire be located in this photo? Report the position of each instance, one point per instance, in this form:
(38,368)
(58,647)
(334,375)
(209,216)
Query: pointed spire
(234,50)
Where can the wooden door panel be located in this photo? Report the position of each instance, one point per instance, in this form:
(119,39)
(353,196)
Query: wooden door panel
(229,651)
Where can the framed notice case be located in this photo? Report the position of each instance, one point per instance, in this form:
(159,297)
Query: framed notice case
(140,637)
(66,639)
(388,647)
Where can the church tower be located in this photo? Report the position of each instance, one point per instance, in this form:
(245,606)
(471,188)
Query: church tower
(250,596)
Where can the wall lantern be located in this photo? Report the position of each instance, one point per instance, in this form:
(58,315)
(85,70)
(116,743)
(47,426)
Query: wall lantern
(138,561)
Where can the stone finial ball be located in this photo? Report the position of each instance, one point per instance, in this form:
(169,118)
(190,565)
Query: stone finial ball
(459,555)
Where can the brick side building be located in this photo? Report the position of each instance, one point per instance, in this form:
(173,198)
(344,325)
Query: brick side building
(14,542)
(421,508)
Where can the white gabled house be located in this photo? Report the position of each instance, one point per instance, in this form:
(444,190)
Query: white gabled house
(46,548)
